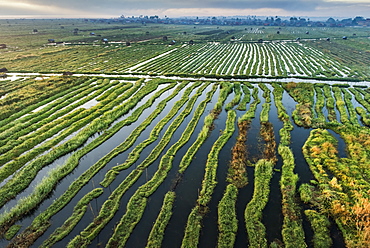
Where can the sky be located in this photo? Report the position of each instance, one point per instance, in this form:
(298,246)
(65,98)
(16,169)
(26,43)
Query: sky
(179,8)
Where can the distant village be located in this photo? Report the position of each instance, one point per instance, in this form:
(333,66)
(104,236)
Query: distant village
(234,21)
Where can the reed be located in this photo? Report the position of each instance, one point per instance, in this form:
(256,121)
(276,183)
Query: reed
(227,221)
(193,226)
(157,232)
(40,224)
(253,212)
(138,201)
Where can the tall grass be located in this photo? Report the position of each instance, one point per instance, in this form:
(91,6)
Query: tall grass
(137,202)
(192,230)
(40,224)
(253,212)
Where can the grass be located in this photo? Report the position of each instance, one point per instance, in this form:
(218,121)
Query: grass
(227,221)
(154,134)
(78,212)
(157,232)
(256,231)
(48,183)
(342,189)
(321,227)
(138,201)
(192,230)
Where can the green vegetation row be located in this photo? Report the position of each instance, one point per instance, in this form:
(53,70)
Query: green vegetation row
(157,232)
(47,185)
(34,93)
(227,221)
(110,207)
(41,222)
(209,182)
(137,203)
(93,126)
(48,128)
(253,212)
(26,113)
(292,230)
(154,134)
(342,187)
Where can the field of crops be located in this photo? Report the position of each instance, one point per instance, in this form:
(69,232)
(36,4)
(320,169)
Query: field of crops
(251,59)
(144,163)
(246,136)
(218,51)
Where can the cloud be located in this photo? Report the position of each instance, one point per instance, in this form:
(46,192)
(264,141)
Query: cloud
(174,8)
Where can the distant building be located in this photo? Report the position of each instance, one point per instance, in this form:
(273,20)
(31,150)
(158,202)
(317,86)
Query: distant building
(2,46)
(51,40)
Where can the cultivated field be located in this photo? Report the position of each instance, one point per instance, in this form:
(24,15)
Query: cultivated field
(181,145)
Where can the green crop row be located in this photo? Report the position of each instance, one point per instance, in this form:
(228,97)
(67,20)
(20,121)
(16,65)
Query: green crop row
(78,212)
(351,110)
(154,134)
(365,117)
(209,181)
(48,128)
(21,126)
(246,99)
(264,116)
(94,125)
(330,104)
(237,97)
(266,92)
(33,93)
(320,225)
(227,221)
(341,105)
(223,95)
(157,232)
(134,212)
(41,222)
(48,183)
(192,230)
(253,212)
(319,105)
(252,108)
(26,114)
(303,94)
(292,230)
(137,202)
(282,115)
(358,97)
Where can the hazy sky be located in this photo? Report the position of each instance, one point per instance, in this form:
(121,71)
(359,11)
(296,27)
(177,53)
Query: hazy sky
(115,8)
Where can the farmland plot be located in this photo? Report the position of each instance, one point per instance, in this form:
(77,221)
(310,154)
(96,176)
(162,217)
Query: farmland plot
(249,59)
(165,163)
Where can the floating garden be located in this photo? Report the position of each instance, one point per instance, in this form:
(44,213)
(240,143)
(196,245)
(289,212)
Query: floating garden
(158,161)
(223,143)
